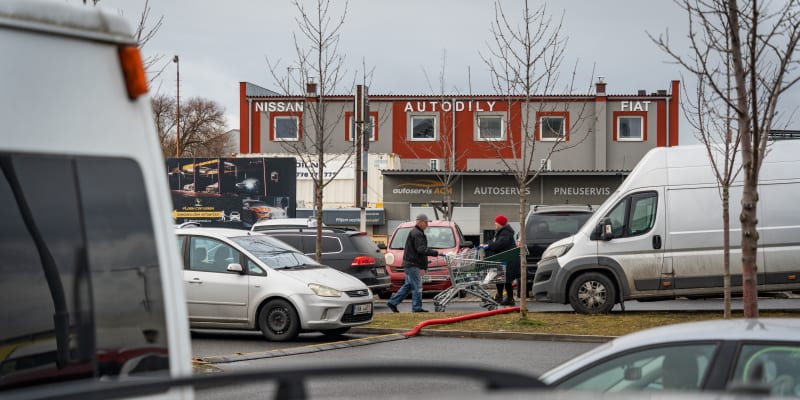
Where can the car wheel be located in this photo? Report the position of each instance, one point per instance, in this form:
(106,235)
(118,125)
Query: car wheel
(385,294)
(335,332)
(592,293)
(278,321)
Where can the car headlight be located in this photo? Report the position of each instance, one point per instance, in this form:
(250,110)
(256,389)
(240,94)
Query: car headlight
(324,291)
(556,251)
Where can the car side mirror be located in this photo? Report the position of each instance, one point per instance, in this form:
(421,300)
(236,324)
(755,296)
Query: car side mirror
(605,229)
(467,243)
(235,267)
(633,373)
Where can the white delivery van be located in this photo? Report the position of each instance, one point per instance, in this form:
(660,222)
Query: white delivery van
(91,292)
(665,234)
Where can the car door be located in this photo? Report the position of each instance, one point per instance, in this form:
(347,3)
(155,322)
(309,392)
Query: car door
(636,243)
(213,294)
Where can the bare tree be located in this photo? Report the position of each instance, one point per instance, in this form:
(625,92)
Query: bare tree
(745,58)
(524,60)
(153,64)
(164,115)
(317,55)
(711,115)
(444,148)
(203,132)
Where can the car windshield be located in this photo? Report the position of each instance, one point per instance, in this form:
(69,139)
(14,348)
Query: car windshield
(439,237)
(555,225)
(274,253)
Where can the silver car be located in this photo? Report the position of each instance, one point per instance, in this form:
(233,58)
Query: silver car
(695,356)
(235,279)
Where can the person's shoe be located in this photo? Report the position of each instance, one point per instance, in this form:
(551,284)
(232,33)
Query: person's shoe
(392,307)
(498,298)
(508,302)
(421,310)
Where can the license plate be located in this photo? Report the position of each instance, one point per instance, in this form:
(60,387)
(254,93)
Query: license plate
(426,278)
(364,308)
(380,271)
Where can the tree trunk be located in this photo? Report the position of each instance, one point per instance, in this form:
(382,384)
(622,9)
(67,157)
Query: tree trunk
(749,242)
(523,273)
(726,251)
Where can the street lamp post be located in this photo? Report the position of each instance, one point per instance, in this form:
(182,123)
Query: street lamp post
(176,60)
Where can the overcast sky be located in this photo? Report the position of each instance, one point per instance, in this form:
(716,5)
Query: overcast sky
(221,43)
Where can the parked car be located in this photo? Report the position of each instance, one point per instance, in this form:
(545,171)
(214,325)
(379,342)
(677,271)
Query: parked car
(546,224)
(189,187)
(238,280)
(235,216)
(444,236)
(282,223)
(346,250)
(695,356)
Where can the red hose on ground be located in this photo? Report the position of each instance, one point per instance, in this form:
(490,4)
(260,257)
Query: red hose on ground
(459,319)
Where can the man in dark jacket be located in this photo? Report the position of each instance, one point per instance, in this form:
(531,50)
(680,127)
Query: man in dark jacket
(415,257)
(504,240)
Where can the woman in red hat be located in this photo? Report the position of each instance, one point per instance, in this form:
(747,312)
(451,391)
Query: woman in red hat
(504,240)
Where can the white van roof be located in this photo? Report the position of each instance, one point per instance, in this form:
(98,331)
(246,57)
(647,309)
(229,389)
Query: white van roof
(690,165)
(64,19)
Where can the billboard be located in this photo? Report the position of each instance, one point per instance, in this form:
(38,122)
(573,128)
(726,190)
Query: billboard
(233,192)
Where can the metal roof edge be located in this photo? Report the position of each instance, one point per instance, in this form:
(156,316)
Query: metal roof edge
(500,172)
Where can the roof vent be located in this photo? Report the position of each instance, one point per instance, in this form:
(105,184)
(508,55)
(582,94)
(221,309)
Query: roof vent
(642,92)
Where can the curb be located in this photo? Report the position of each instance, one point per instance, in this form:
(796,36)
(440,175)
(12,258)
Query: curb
(223,359)
(545,337)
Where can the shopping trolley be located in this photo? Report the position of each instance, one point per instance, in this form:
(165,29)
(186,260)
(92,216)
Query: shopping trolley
(470,275)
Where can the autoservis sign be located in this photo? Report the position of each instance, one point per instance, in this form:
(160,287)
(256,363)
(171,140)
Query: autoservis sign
(422,187)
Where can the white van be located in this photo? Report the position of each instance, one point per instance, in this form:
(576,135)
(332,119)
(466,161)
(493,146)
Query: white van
(91,290)
(665,236)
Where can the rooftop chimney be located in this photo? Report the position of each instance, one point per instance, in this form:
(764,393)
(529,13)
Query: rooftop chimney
(311,87)
(600,86)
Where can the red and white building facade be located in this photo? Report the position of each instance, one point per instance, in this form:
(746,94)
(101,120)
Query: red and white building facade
(415,138)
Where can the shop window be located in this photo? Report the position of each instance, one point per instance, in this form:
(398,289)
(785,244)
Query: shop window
(491,128)
(423,128)
(286,128)
(552,126)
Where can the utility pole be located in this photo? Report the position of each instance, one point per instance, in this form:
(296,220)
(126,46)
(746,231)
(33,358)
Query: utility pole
(176,60)
(360,129)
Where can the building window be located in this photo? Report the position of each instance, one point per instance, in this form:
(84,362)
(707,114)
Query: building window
(630,126)
(423,127)
(373,118)
(553,126)
(286,128)
(491,128)
(434,164)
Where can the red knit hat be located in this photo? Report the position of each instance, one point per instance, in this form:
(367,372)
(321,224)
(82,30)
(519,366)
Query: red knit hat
(501,219)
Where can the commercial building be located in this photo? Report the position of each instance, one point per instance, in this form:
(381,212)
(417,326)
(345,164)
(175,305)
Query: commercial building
(460,149)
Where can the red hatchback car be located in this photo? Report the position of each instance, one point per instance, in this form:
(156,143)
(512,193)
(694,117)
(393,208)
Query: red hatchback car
(444,236)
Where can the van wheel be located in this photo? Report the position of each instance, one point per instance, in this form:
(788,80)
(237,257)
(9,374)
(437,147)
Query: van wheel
(278,321)
(335,332)
(385,294)
(592,293)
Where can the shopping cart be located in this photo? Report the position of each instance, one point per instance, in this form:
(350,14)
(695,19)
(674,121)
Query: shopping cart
(470,275)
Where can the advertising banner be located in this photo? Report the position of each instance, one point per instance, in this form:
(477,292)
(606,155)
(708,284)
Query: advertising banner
(233,192)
